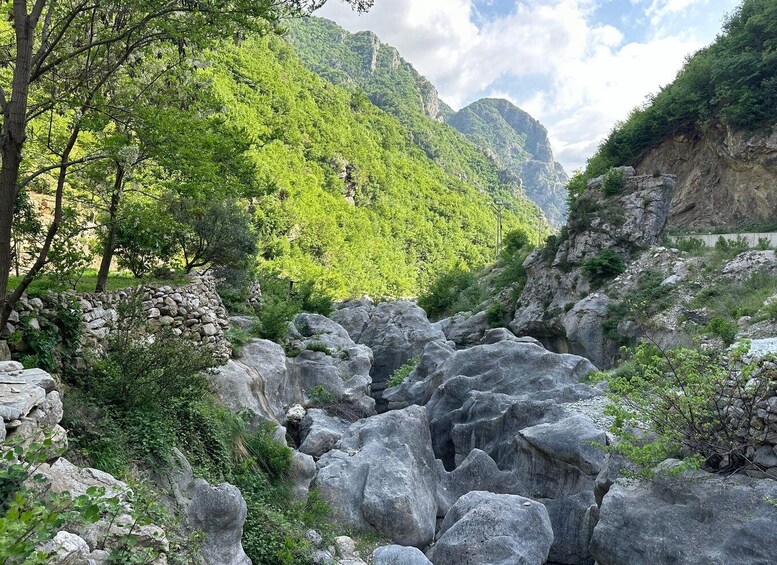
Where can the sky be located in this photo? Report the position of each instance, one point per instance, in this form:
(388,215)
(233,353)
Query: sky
(578,66)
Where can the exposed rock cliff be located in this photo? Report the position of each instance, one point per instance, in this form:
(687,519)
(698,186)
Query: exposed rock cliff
(520,145)
(724,177)
(559,305)
(362,59)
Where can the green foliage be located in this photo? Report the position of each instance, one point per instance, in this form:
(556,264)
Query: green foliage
(237,338)
(53,341)
(399,376)
(723,328)
(607,265)
(514,241)
(213,233)
(676,403)
(495,315)
(347,198)
(144,237)
(444,295)
(320,396)
(692,245)
(139,373)
(283,299)
(69,256)
(614,182)
(732,81)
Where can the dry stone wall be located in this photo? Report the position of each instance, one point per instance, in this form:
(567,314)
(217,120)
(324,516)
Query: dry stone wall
(193,310)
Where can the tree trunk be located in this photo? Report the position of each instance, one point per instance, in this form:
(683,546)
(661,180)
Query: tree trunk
(11,144)
(110,240)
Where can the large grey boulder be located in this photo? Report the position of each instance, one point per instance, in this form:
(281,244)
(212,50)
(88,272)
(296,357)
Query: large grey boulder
(417,387)
(465,329)
(394,331)
(219,512)
(502,420)
(694,518)
(399,555)
(483,528)
(319,432)
(256,382)
(330,361)
(381,477)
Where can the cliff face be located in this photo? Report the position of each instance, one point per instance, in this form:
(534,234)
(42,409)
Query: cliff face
(363,60)
(724,178)
(520,145)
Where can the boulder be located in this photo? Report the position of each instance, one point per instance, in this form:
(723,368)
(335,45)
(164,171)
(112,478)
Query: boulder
(465,329)
(394,331)
(418,388)
(301,473)
(255,382)
(319,432)
(66,548)
(694,518)
(381,477)
(483,528)
(399,555)
(219,512)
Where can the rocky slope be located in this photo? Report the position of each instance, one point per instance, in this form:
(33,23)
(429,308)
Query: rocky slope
(520,145)
(725,177)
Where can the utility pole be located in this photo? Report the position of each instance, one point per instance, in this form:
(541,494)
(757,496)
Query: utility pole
(499,206)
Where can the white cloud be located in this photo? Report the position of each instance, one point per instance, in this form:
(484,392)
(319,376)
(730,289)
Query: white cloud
(588,74)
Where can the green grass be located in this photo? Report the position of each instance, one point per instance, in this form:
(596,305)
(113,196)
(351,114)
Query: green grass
(87,283)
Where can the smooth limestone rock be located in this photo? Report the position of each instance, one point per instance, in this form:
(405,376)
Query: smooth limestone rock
(465,329)
(381,477)
(395,331)
(399,555)
(483,528)
(319,432)
(303,469)
(499,422)
(694,518)
(219,512)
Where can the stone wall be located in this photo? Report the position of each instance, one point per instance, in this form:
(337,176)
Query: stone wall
(193,310)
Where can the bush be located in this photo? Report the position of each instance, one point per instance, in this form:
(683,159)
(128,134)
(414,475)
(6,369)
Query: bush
(514,241)
(147,371)
(690,244)
(607,265)
(679,403)
(614,182)
(446,294)
(723,328)
(399,376)
(282,300)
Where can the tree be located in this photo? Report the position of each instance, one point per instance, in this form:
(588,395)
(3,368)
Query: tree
(217,233)
(64,55)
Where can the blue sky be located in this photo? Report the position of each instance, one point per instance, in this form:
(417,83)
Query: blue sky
(578,66)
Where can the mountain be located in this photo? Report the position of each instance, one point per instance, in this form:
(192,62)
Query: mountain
(713,127)
(351,200)
(362,60)
(520,145)
(497,162)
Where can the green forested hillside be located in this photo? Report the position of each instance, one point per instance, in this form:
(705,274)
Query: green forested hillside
(733,81)
(352,201)
(520,146)
(494,160)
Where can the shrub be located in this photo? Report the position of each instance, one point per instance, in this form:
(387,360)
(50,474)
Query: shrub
(282,300)
(495,315)
(723,328)
(514,241)
(147,371)
(690,244)
(614,182)
(445,293)
(607,265)
(680,402)
(399,376)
